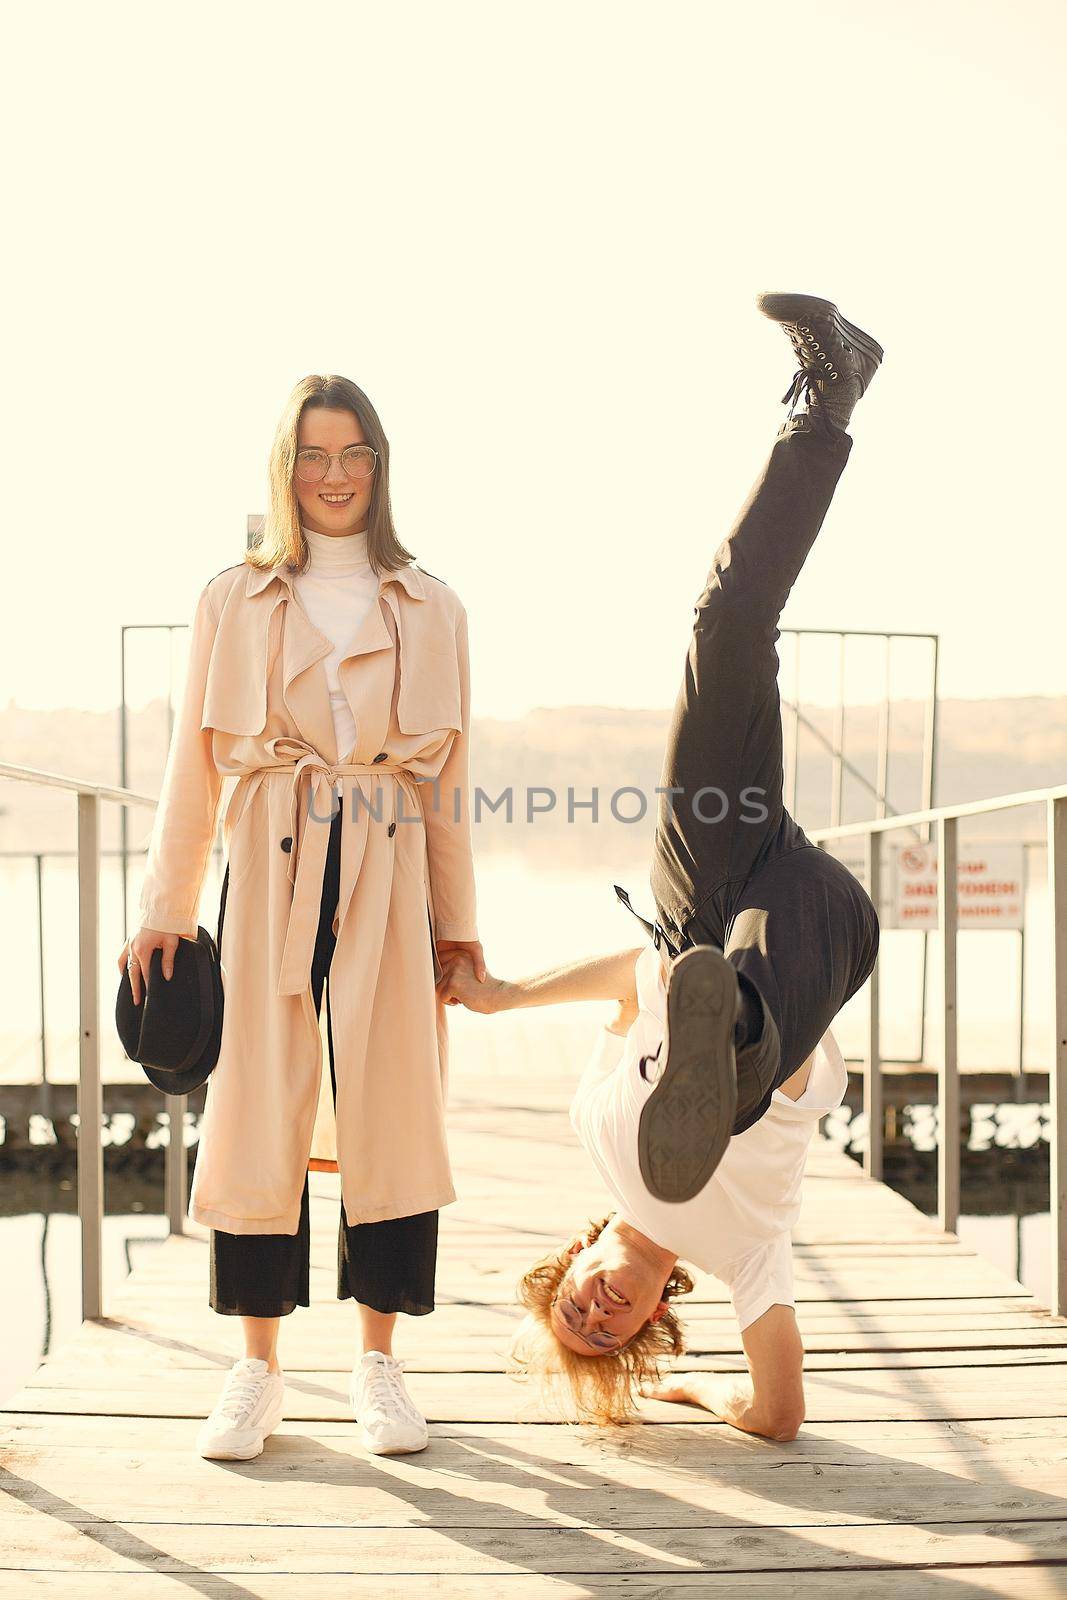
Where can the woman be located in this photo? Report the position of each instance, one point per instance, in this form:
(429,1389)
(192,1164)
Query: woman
(329,677)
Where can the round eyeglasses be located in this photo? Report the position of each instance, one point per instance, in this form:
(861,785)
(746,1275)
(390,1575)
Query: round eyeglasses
(571,1317)
(358,461)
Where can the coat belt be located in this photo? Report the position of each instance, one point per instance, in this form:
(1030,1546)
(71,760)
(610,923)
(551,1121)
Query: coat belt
(310,836)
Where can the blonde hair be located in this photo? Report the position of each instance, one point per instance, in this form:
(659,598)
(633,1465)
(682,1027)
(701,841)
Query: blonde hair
(600,1389)
(281,540)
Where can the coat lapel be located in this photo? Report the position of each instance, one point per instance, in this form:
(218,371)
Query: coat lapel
(428,699)
(304,688)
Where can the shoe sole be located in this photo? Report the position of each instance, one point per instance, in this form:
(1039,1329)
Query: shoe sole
(803,307)
(393,1450)
(687,1120)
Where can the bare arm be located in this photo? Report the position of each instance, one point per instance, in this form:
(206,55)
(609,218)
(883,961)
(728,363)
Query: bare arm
(183,828)
(609,977)
(769,1401)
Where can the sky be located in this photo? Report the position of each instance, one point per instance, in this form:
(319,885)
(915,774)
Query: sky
(534,235)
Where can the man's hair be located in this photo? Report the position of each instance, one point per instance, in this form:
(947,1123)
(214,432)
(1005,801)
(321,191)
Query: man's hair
(600,1388)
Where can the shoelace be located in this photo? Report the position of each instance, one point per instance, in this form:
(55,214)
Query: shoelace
(804,387)
(242,1391)
(385,1389)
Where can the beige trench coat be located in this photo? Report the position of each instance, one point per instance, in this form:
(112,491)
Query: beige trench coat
(256,710)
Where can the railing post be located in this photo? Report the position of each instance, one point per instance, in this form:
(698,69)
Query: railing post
(1057,894)
(90,1096)
(838,785)
(175,1163)
(881,781)
(872,1078)
(948,1089)
(46,1102)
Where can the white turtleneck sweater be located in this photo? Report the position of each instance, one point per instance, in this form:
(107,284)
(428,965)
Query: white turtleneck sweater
(337,592)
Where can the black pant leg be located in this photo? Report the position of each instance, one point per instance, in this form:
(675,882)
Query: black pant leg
(723,756)
(390,1266)
(261,1274)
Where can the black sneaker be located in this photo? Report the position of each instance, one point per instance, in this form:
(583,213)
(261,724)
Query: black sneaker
(687,1120)
(837,361)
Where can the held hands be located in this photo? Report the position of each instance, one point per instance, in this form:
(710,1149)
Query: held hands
(448,949)
(458,984)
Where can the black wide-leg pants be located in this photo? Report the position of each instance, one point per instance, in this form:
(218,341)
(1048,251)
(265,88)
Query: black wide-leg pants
(389,1266)
(730,865)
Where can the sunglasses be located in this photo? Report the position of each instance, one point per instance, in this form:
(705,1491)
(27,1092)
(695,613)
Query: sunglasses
(571,1318)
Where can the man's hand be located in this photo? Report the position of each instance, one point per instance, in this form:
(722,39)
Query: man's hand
(458,986)
(729,1397)
(770,1402)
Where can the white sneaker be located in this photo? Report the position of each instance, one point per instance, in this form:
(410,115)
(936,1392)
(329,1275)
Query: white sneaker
(250,1407)
(392,1424)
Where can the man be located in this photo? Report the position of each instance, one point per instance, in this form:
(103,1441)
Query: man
(701,1097)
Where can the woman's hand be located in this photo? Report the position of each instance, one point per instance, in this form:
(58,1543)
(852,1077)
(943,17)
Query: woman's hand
(458,986)
(447,948)
(136,957)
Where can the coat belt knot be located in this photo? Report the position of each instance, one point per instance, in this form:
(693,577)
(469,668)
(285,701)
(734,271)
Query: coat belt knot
(309,831)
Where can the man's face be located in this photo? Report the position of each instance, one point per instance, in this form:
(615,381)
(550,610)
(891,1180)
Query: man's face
(607,1296)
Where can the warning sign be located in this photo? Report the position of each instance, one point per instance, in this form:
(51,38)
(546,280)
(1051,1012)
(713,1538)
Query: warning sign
(990,879)
(990,884)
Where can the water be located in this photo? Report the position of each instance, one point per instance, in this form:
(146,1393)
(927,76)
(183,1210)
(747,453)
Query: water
(532,916)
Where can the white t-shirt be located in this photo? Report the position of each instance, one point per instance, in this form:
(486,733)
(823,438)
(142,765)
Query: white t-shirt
(337,592)
(738,1226)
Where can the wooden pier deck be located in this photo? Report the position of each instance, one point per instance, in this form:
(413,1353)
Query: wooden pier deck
(933,1460)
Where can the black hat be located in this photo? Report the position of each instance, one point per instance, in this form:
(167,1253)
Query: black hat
(176,1031)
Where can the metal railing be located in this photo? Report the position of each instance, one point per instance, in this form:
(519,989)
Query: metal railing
(945,820)
(90,1088)
(794,717)
(835,744)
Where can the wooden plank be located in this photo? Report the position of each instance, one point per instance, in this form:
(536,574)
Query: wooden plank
(555,1484)
(488,1397)
(497,1290)
(746,1547)
(679,1446)
(460,1316)
(310,1345)
(1031,1582)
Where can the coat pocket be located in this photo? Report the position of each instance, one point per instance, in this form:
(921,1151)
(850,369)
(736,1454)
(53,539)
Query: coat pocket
(247,838)
(429,696)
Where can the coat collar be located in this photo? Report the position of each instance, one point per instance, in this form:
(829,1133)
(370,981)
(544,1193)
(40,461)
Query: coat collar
(409,577)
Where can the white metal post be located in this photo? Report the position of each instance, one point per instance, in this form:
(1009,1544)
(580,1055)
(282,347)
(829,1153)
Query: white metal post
(837,791)
(90,1096)
(881,782)
(872,1078)
(948,1089)
(1057,893)
(175,1164)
